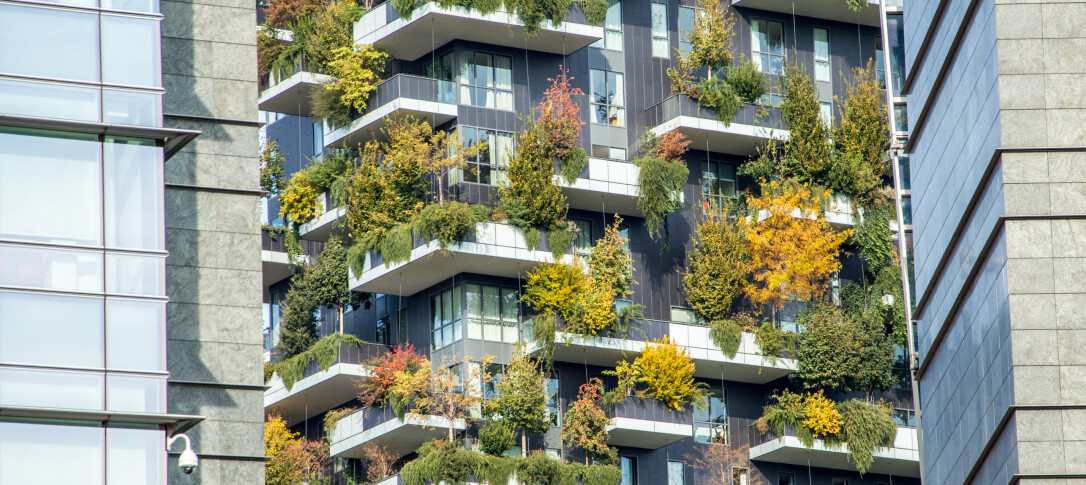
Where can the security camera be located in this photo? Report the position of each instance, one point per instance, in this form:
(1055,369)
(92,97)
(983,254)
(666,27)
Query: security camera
(188,460)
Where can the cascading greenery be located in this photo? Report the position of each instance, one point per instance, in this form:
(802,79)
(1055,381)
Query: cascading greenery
(325,351)
(322,284)
(448,462)
(448,222)
(866,427)
(662,178)
(531,13)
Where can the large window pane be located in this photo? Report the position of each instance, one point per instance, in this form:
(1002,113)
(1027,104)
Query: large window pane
(50,389)
(138,108)
(130,51)
(660,47)
(135,456)
(135,335)
(510,307)
(49,100)
(133,181)
(49,43)
(50,330)
(137,394)
(46,454)
(68,209)
(135,275)
(51,269)
(490,303)
(150,6)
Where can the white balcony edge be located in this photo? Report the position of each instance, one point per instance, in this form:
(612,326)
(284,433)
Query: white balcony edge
(740,129)
(335,135)
(358,435)
(277,390)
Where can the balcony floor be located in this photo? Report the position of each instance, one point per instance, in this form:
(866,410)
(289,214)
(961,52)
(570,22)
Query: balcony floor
(292,95)
(714,136)
(315,394)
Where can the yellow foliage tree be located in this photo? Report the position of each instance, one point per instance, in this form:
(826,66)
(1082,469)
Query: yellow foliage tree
(298,201)
(556,288)
(793,249)
(668,371)
(357,70)
(292,459)
(822,419)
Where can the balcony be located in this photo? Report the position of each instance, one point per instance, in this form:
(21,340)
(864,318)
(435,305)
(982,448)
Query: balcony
(609,185)
(648,424)
(425,98)
(902,459)
(496,249)
(742,137)
(431,26)
(318,391)
(380,425)
(748,365)
(289,92)
(322,226)
(275,262)
(818,9)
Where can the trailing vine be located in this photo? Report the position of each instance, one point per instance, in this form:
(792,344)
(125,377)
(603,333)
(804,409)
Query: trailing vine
(325,351)
(662,177)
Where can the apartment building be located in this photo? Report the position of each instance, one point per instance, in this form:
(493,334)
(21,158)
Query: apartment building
(994,154)
(458,69)
(112,343)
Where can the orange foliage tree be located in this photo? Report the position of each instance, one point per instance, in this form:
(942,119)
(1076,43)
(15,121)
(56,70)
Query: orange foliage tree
(793,250)
(293,459)
(387,370)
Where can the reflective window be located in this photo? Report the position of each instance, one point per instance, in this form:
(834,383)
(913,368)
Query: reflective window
(660,47)
(130,51)
(612,28)
(50,269)
(65,211)
(711,423)
(740,475)
(676,473)
(445,315)
(486,80)
(135,274)
(492,313)
(825,111)
(47,454)
(127,107)
(137,394)
(50,329)
(767,45)
(718,183)
(149,6)
(133,182)
(49,43)
(582,242)
(822,54)
(135,334)
(608,98)
(50,388)
(628,466)
(687,16)
(489,166)
(553,408)
(48,100)
(135,456)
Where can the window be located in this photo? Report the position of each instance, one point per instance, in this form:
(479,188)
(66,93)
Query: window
(382,330)
(51,269)
(905,417)
(133,202)
(75,330)
(711,423)
(612,28)
(582,243)
(718,182)
(771,99)
(660,47)
(129,48)
(492,313)
(135,455)
(489,166)
(839,481)
(880,63)
(553,407)
(445,315)
(51,43)
(624,233)
(786,479)
(825,111)
(740,476)
(486,80)
(687,18)
(609,153)
(136,334)
(608,100)
(822,54)
(676,473)
(684,315)
(628,466)
(27,449)
(401,324)
(767,45)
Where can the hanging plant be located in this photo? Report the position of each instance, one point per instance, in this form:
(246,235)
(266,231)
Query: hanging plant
(662,177)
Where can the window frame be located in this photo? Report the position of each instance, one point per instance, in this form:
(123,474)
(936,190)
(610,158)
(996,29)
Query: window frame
(612,39)
(710,423)
(495,164)
(756,56)
(438,324)
(655,35)
(712,167)
(468,84)
(478,325)
(827,62)
(614,86)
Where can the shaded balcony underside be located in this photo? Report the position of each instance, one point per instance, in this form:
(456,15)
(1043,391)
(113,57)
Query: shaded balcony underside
(314,394)
(789,450)
(402,437)
(292,95)
(641,433)
(432,26)
(836,10)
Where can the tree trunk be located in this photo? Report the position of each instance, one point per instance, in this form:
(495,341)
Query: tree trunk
(340,312)
(450,431)
(523,442)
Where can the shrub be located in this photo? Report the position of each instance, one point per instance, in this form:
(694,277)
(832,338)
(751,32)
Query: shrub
(325,351)
(866,427)
(595,12)
(721,98)
(573,164)
(719,266)
(726,334)
(448,222)
(561,238)
(327,104)
(387,369)
(496,437)
(555,288)
(746,81)
(271,168)
(821,416)
(662,178)
(531,199)
(788,412)
(298,201)
(668,372)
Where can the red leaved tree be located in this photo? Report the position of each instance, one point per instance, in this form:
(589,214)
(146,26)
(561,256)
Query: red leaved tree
(559,115)
(585,424)
(385,370)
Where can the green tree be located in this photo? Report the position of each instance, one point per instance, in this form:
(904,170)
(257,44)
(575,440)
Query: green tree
(719,266)
(299,330)
(271,168)
(327,280)
(531,200)
(863,137)
(840,353)
(585,423)
(662,177)
(522,397)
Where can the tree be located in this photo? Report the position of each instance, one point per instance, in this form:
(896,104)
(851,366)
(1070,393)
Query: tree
(863,136)
(560,121)
(711,46)
(327,280)
(299,329)
(357,70)
(793,250)
(293,460)
(840,353)
(522,397)
(454,394)
(380,461)
(720,462)
(271,168)
(668,371)
(585,423)
(387,369)
(281,13)
(446,153)
(531,200)
(719,266)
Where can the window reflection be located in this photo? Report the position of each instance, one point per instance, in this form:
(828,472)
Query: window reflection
(26,450)
(74,323)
